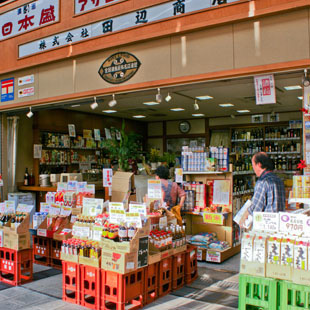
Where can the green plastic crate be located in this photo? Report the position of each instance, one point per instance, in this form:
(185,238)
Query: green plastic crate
(256,293)
(294,296)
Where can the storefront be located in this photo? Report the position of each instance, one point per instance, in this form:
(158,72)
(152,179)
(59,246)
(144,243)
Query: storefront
(181,73)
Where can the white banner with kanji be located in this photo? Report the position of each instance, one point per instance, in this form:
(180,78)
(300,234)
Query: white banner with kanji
(265,89)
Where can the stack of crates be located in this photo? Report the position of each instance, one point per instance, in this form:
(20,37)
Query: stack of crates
(16,267)
(46,251)
(101,289)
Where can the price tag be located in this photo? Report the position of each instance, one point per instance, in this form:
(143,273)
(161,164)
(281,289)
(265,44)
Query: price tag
(213,256)
(116,206)
(44,207)
(117,216)
(154,189)
(293,223)
(138,207)
(97,233)
(213,218)
(133,218)
(9,206)
(179,175)
(92,206)
(266,221)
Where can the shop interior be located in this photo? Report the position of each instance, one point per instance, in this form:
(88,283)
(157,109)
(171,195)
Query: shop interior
(198,115)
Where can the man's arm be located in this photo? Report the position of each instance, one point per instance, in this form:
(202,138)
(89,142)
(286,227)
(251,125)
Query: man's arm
(258,199)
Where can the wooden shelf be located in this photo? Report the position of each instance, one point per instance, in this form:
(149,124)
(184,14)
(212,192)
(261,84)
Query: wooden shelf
(37,188)
(204,172)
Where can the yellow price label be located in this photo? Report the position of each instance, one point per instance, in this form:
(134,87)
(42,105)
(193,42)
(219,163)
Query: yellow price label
(213,218)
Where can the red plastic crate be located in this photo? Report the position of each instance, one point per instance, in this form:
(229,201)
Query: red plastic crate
(165,276)
(90,287)
(71,282)
(120,291)
(191,270)
(56,249)
(178,270)
(41,250)
(16,267)
(151,273)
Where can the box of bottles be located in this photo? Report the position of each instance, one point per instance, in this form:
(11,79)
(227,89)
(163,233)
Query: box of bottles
(51,224)
(63,233)
(16,241)
(18,223)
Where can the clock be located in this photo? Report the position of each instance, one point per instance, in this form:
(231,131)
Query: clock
(184,126)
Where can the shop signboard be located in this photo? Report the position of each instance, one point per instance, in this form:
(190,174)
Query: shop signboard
(82,6)
(30,16)
(265,89)
(7,89)
(138,18)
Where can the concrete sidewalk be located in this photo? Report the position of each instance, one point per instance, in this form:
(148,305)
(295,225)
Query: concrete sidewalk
(216,288)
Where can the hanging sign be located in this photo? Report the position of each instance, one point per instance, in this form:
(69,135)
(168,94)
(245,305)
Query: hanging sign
(265,89)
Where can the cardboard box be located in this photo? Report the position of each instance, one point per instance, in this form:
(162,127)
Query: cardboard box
(279,272)
(119,262)
(90,261)
(252,268)
(45,229)
(1,238)
(22,228)
(301,277)
(127,246)
(69,257)
(61,234)
(155,257)
(201,254)
(122,183)
(15,241)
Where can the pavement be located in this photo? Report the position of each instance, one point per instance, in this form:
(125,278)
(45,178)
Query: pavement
(216,288)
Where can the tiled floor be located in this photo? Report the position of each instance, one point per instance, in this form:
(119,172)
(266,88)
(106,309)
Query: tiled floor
(215,289)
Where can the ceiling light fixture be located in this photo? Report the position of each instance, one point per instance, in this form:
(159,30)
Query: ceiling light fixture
(198,115)
(177,109)
(94,105)
(226,105)
(75,105)
(196,106)
(294,87)
(243,111)
(158,96)
(305,80)
(300,97)
(232,116)
(206,97)
(168,98)
(109,111)
(30,113)
(139,116)
(113,102)
(150,103)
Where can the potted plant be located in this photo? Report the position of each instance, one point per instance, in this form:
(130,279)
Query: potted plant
(123,147)
(169,159)
(154,158)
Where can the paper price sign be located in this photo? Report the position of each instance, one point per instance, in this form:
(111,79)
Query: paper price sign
(92,206)
(133,218)
(2,207)
(292,223)
(44,207)
(116,206)
(81,187)
(9,206)
(107,177)
(213,218)
(24,208)
(117,216)
(139,208)
(154,189)
(72,185)
(55,209)
(65,211)
(97,233)
(179,175)
(61,187)
(266,221)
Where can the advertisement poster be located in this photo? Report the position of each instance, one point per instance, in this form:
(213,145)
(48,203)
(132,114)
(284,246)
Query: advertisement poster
(265,89)
(28,79)
(7,89)
(71,128)
(107,175)
(26,92)
(97,134)
(37,151)
(221,190)
(154,189)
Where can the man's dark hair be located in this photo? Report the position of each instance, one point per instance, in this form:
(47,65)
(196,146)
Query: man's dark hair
(265,161)
(162,172)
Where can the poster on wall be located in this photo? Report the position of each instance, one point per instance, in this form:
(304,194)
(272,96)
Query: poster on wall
(28,79)
(7,89)
(71,128)
(25,92)
(265,89)
(37,151)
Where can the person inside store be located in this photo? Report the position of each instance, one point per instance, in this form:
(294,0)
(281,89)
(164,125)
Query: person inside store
(171,190)
(269,191)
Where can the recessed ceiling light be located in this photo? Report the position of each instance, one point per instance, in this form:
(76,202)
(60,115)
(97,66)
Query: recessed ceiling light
(206,97)
(198,114)
(294,87)
(151,103)
(177,109)
(243,111)
(109,111)
(300,97)
(225,105)
(75,105)
(139,116)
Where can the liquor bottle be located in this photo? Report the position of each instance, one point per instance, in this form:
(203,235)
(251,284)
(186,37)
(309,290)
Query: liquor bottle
(31,178)
(26,177)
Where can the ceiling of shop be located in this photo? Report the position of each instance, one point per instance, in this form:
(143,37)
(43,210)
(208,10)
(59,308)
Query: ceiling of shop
(239,91)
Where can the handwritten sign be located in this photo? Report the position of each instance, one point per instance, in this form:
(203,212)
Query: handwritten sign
(154,189)
(213,218)
(133,218)
(138,207)
(55,209)
(143,252)
(44,207)
(117,216)
(116,206)
(292,223)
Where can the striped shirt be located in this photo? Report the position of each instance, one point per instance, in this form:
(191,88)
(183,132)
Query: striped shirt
(269,194)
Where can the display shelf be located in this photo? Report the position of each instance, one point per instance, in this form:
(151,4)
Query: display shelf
(283,153)
(55,164)
(249,191)
(243,172)
(299,200)
(242,154)
(37,188)
(204,172)
(283,139)
(245,140)
(55,147)
(285,171)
